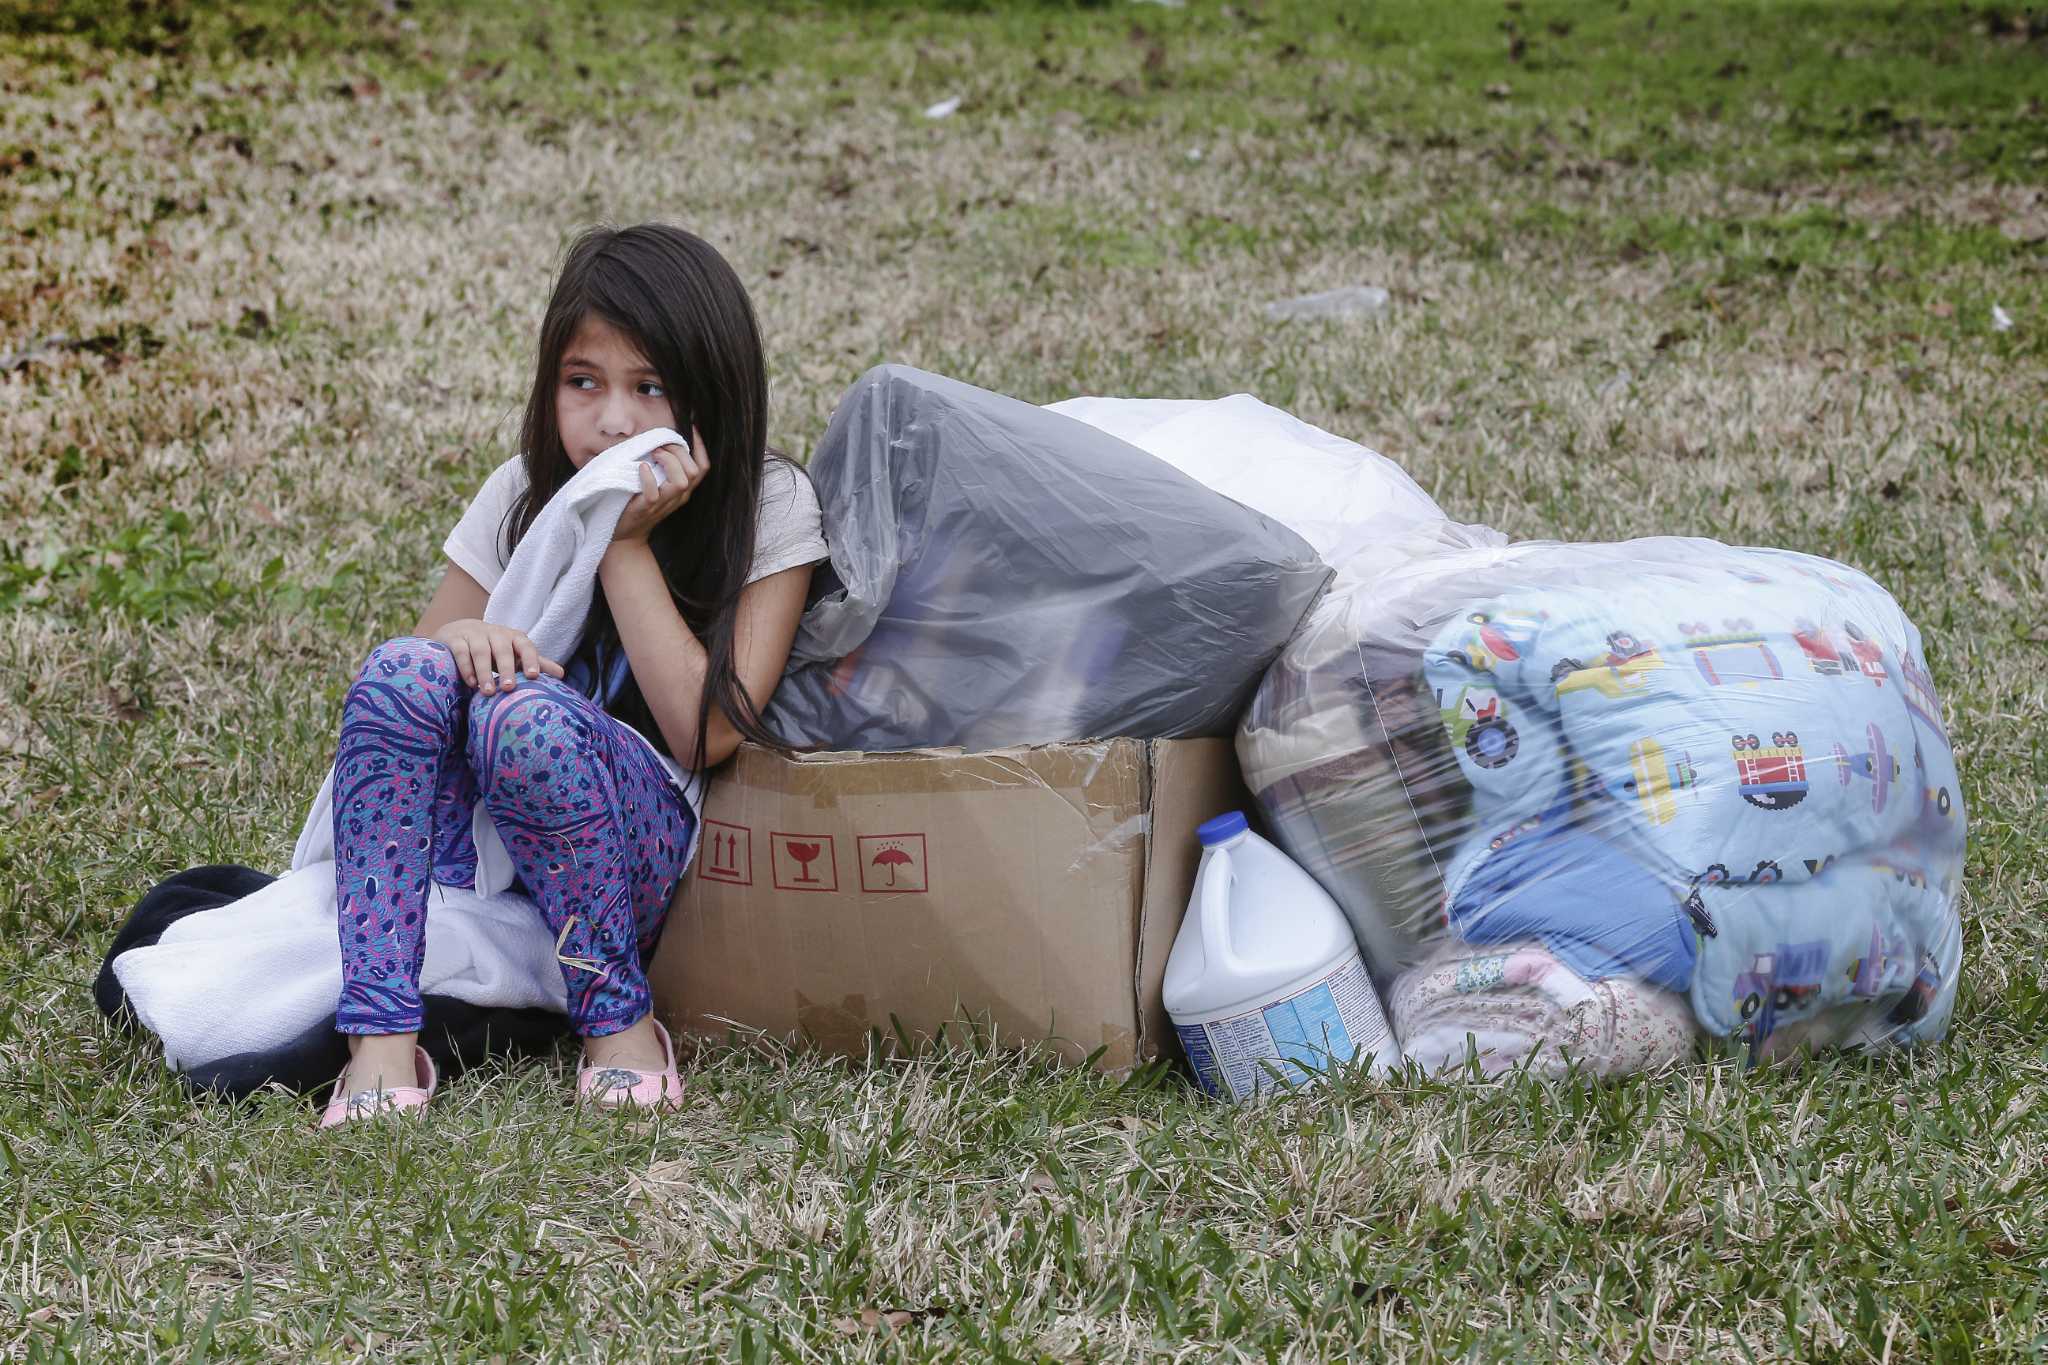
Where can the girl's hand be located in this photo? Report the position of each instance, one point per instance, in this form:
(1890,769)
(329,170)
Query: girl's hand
(685,470)
(489,657)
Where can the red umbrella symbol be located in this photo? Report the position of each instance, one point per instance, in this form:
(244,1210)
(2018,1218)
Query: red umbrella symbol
(892,858)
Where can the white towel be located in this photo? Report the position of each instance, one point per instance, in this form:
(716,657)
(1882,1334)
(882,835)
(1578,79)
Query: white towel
(258,973)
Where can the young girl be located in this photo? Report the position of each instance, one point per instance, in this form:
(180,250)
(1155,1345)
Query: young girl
(576,760)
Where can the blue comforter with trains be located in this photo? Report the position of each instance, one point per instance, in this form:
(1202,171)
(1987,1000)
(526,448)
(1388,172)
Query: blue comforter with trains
(1728,775)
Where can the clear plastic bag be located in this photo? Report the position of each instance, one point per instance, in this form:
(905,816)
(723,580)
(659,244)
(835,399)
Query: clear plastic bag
(1003,574)
(1573,797)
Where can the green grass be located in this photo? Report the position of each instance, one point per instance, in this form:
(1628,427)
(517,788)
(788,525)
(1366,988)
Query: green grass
(276,268)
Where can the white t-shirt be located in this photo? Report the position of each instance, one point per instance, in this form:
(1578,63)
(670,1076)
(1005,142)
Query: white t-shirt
(790,531)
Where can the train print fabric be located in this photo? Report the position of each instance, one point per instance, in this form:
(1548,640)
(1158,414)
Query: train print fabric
(1666,768)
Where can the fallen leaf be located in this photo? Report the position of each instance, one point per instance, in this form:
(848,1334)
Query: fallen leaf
(872,1319)
(1942,309)
(2031,228)
(127,707)
(1499,90)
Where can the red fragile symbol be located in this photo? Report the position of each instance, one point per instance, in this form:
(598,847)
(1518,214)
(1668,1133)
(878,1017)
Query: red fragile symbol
(805,854)
(891,858)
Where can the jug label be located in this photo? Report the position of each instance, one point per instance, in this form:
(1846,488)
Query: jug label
(1291,1040)
(1194,1040)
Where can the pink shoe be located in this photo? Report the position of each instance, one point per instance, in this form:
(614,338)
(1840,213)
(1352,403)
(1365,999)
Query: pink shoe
(367,1103)
(615,1087)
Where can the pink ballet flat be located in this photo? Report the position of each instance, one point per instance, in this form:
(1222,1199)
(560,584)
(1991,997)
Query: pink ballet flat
(364,1104)
(616,1087)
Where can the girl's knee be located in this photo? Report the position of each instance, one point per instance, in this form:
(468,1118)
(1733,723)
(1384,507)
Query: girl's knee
(523,732)
(410,655)
(407,681)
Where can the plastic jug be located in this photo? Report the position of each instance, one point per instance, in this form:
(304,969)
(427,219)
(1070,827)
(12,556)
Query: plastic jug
(1265,984)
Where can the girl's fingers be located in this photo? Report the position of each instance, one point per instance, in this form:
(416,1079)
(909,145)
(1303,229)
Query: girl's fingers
(695,460)
(504,659)
(465,667)
(551,668)
(661,459)
(480,665)
(676,461)
(529,657)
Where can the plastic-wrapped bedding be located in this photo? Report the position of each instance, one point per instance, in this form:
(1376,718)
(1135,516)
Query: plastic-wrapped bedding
(1003,574)
(1713,774)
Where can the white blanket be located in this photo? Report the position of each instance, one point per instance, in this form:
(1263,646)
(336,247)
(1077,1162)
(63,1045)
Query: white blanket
(1354,505)
(257,974)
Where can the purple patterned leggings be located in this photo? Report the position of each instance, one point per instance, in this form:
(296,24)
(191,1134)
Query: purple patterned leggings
(597,832)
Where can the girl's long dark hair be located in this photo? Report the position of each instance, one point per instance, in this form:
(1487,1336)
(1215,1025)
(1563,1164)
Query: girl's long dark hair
(683,306)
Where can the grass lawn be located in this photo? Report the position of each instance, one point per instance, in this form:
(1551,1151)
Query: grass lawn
(269,279)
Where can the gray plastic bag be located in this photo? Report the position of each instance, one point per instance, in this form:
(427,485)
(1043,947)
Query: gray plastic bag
(1002,574)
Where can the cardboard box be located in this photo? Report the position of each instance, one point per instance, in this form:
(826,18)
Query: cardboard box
(1039,888)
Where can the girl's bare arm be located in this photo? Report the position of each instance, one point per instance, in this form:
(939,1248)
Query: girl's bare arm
(669,662)
(459,598)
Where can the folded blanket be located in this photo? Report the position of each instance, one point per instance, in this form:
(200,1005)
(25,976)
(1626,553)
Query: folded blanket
(1514,1004)
(254,978)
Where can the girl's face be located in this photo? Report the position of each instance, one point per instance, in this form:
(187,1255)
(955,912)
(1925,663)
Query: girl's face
(606,392)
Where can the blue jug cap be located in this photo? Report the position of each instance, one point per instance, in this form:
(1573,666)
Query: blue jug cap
(1222,829)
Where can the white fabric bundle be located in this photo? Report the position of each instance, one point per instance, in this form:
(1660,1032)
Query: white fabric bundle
(1355,506)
